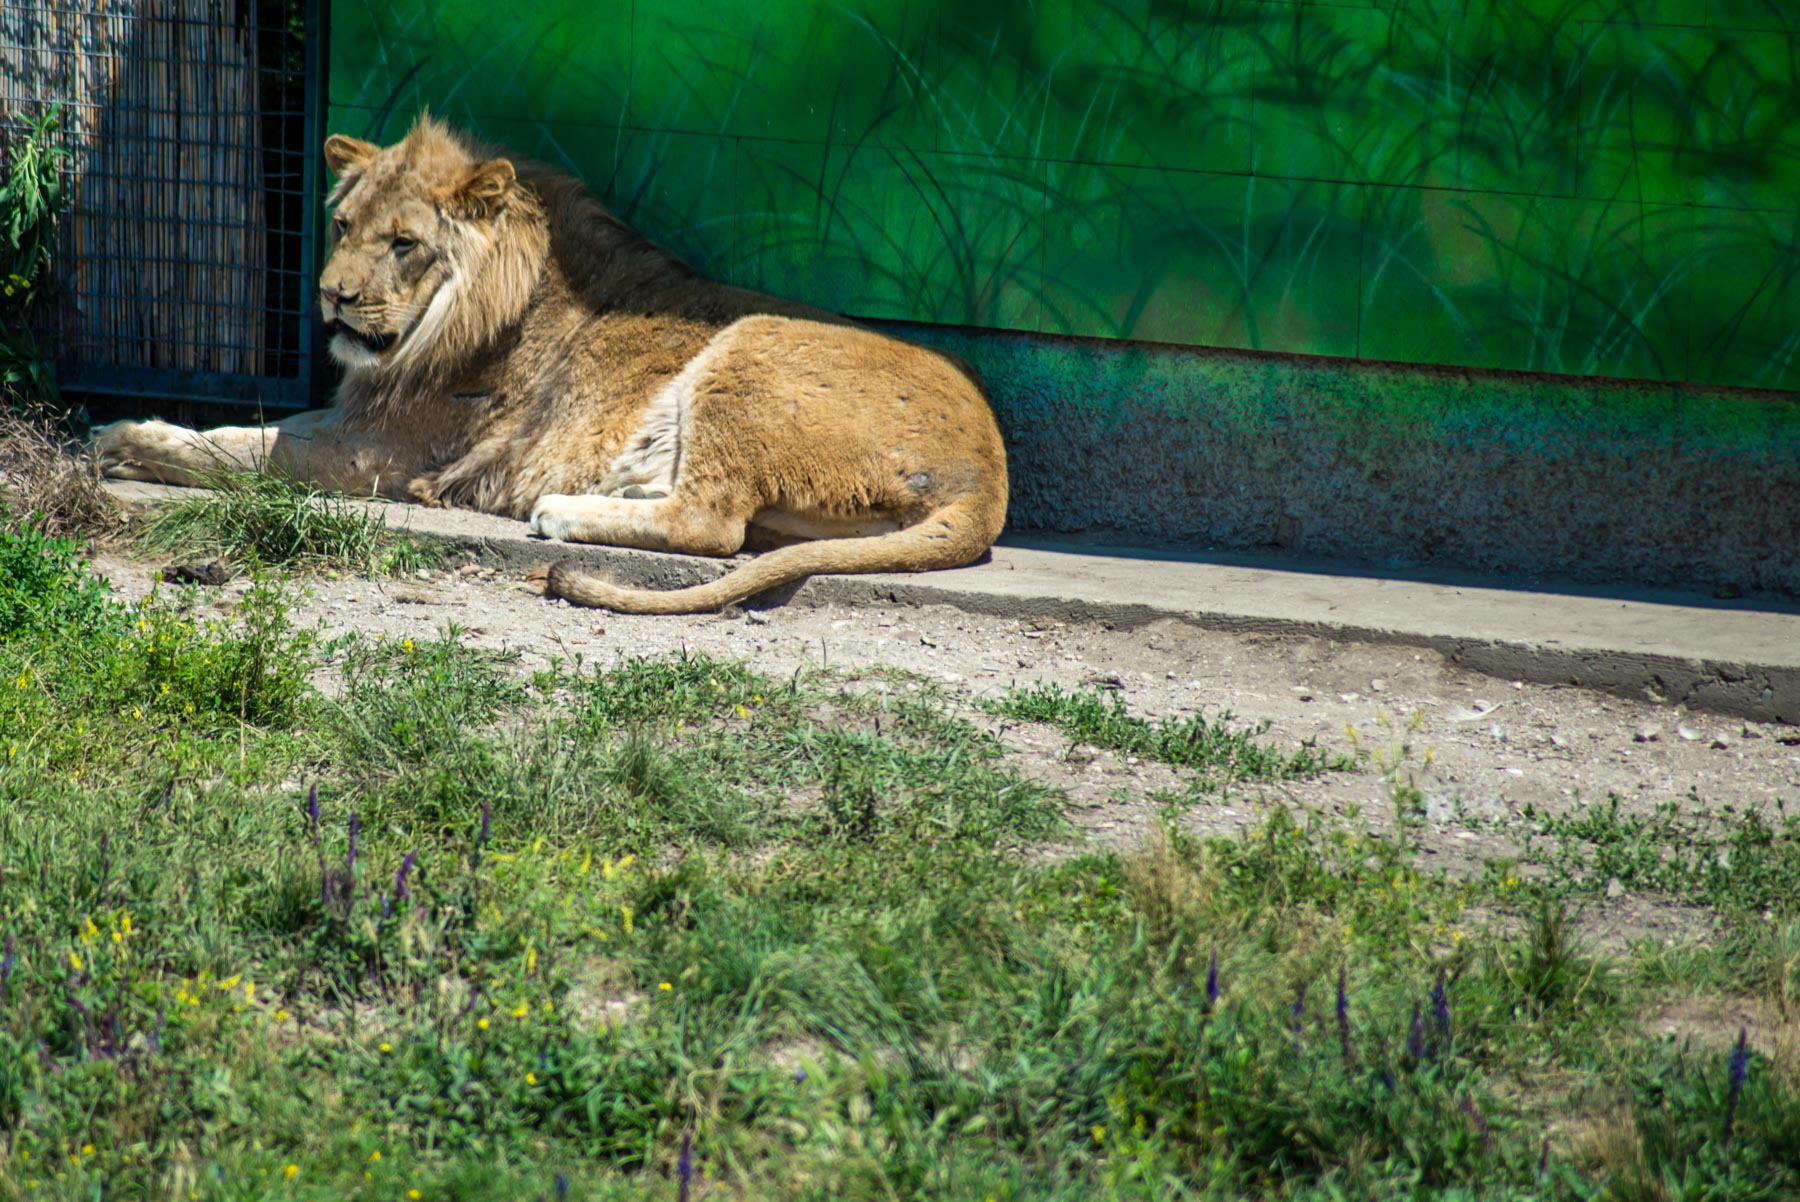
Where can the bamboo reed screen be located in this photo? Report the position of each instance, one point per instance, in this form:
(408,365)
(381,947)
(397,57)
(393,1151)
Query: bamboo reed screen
(182,248)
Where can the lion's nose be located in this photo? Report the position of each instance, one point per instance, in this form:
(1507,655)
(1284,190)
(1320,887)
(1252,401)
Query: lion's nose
(337,296)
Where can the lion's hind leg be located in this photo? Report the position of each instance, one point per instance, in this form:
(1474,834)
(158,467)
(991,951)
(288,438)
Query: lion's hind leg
(670,523)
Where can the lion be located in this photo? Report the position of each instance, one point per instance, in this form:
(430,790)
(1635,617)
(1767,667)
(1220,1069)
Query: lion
(511,346)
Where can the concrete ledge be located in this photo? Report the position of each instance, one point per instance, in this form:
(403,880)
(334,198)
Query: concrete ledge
(1671,648)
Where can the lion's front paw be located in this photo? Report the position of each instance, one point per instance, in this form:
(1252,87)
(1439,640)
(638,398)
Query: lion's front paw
(130,450)
(553,517)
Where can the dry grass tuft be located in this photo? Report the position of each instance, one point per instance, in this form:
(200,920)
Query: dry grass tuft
(43,484)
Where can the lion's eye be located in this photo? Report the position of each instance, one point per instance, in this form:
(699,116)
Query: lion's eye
(403,244)
(339,227)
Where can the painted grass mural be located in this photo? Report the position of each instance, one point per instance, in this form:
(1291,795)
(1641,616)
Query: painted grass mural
(1606,187)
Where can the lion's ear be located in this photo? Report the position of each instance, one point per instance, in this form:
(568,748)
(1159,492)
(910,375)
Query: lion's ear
(483,191)
(346,155)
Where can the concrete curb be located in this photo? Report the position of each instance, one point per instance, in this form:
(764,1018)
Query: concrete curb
(1668,648)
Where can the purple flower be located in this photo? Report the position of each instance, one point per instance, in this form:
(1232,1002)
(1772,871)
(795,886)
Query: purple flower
(6,964)
(562,1186)
(312,808)
(1739,1072)
(684,1167)
(1212,981)
(1415,1034)
(799,1075)
(401,893)
(1440,1009)
(1544,1158)
(1297,1013)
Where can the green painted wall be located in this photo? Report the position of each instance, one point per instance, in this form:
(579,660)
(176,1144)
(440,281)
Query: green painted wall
(1606,187)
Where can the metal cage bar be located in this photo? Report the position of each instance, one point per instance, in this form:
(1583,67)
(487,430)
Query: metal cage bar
(186,257)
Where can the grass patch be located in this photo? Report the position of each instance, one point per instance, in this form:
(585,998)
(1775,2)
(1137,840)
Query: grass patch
(268,520)
(446,928)
(1212,747)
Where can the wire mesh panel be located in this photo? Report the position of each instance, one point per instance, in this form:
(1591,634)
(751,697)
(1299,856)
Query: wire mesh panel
(186,249)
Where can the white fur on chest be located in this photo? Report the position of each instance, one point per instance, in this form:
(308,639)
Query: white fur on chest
(651,460)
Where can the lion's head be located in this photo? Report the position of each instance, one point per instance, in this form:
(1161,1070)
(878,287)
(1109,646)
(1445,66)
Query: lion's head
(435,245)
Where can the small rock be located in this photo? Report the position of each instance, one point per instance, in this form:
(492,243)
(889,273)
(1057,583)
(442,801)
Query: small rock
(1721,742)
(1348,698)
(1614,889)
(469,569)
(756,617)
(1750,732)
(1647,734)
(1688,733)
(422,573)
(1497,734)
(1306,697)
(1378,686)
(1558,741)
(1110,682)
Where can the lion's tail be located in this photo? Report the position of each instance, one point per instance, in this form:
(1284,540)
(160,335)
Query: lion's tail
(950,537)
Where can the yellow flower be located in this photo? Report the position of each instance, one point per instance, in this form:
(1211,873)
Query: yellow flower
(249,991)
(531,1078)
(414,1194)
(530,958)
(292,1171)
(665,985)
(87,1149)
(136,713)
(89,931)
(625,913)
(75,961)
(742,712)
(407,647)
(387,1047)
(521,1010)
(281,1016)
(125,923)
(230,982)
(118,938)
(375,1156)
(481,1024)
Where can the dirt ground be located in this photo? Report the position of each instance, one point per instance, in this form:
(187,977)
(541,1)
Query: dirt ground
(1493,746)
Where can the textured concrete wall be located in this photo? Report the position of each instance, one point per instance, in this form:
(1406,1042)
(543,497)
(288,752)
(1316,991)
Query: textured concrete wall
(1397,465)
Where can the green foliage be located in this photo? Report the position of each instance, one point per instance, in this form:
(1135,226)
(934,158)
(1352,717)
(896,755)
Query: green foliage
(30,198)
(1735,862)
(1212,747)
(45,586)
(267,519)
(284,918)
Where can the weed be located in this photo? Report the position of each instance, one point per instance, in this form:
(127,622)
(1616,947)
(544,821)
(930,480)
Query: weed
(1212,747)
(267,519)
